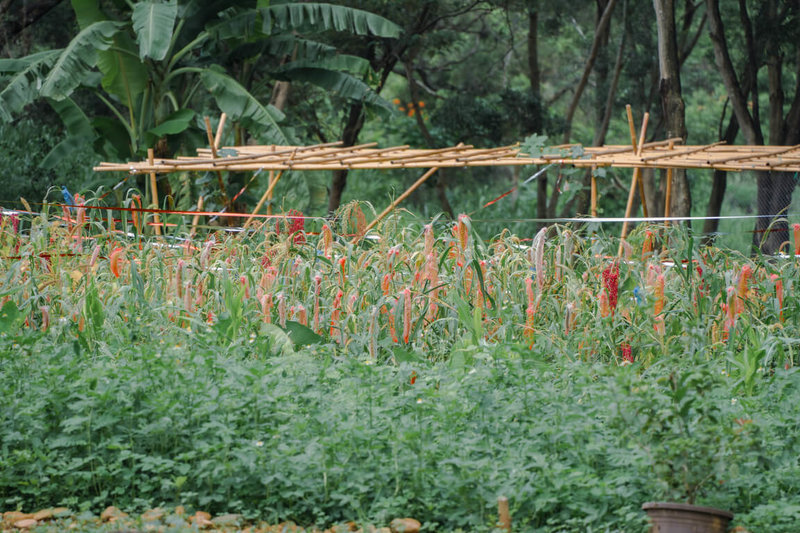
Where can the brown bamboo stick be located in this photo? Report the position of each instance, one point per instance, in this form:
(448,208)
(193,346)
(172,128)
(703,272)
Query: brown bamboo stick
(269,188)
(632,192)
(594,193)
(688,151)
(503,514)
(220,129)
(267,194)
(154,191)
(394,204)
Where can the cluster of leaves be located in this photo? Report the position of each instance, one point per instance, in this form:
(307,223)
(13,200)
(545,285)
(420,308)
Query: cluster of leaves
(316,439)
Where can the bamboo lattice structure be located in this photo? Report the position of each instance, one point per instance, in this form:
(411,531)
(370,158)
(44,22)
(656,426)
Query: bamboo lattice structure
(667,154)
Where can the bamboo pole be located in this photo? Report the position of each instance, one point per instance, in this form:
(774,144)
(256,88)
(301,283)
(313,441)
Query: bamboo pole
(220,128)
(503,514)
(594,193)
(635,146)
(196,218)
(267,194)
(668,193)
(154,190)
(394,204)
(632,192)
(269,188)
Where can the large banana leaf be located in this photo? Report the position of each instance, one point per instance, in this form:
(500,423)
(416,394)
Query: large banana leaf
(342,62)
(340,83)
(124,74)
(286,45)
(77,59)
(22,88)
(79,131)
(153,23)
(323,17)
(242,106)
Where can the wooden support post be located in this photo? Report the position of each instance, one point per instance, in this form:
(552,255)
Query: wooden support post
(636,172)
(196,218)
(668,193)
(154,190)
(394,204)
(594,193)
(503,514)
(267,194)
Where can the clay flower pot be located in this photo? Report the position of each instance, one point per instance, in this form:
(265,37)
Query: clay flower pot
(685,518)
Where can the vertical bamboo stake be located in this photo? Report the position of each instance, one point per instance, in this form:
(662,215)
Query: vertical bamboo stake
(269,188)
(504,517)
(196,218)
(594,193)
(220,128)
(632,192)
(212,144)
(668,194)
(394,204)
(640,183)
(267,194)
(154,189)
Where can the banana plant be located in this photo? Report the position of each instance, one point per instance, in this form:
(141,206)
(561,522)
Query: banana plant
(156,61)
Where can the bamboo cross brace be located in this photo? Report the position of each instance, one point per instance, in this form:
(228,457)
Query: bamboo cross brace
(753,155)
(202,159)
(394,204)
(154,190)
(632,192)
(267,194)
(677,153)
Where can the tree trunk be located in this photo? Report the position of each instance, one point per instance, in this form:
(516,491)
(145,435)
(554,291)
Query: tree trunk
(580,203)
(718,185)
(599,39)
(355,122)
(534,76)
(671,98)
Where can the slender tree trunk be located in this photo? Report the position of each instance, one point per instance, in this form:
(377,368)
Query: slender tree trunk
(581,200)
(671,98)
(599,34)
(534,75)
(355,122)
(718,185)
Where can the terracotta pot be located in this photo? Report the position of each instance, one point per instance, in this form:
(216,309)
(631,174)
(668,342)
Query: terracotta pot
(684,518)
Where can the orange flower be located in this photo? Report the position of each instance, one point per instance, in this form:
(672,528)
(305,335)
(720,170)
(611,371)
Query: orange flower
(113,261)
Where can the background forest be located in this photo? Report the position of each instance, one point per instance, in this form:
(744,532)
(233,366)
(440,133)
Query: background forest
(85,81)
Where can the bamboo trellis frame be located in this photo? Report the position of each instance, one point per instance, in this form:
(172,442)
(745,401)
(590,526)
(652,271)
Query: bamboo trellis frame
(667,154)
(662,154)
